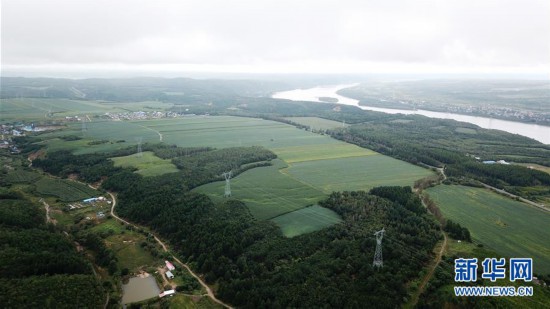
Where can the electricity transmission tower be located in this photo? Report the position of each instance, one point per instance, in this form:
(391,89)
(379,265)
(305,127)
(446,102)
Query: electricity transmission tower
(378,253)
(227,176)
(139,151)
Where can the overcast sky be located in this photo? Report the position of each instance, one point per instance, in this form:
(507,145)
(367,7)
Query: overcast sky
(312,36)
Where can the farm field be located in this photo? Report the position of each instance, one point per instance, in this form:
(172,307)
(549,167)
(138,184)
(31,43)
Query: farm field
(65,190)
(310,165)
(498,222)
(227,131)
(21,176)
(306,220)
(356,173)
(118,134)
(266,191)
(147,165)
(296,154)
(316,123)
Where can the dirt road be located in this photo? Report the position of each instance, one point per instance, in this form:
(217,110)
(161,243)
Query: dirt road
(429,275)
(47,207)
(165,248)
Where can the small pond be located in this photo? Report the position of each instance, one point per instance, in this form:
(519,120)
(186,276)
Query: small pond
(138,289)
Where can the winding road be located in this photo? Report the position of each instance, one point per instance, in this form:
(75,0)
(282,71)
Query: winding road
(209,291)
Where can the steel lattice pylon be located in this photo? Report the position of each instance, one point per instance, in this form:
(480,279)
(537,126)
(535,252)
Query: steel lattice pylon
(378,262)
(227,176)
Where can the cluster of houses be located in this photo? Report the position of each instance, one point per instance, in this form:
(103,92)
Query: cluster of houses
(169,275)
(94,199)
(7,131)
(496,162)
(488,161)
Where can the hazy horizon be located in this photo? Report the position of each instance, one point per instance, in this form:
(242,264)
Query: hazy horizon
(80,39)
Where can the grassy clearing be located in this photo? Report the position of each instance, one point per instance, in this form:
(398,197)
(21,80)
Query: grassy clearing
(20,176)
(148,164)
(306,220)
(109,225)
(316,123)
(129,252)
(360,173)
(511,228)
(266,191)
(65,190)
(466,130)
(182,301)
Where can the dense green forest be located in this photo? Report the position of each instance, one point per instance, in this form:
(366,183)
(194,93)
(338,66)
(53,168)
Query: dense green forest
(39,266)
(252,263)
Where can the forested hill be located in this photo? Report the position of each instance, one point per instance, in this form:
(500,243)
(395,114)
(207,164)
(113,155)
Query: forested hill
(39,267)
(254,266)
(174,90)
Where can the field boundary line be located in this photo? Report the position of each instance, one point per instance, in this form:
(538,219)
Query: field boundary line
(285,173)
(333,158)
(158,132)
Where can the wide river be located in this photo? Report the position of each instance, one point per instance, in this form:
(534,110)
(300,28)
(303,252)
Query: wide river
(537,132)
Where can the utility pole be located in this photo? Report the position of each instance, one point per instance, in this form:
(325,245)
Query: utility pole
(378,253)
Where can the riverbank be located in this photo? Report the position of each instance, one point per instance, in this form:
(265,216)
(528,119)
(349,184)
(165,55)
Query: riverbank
(537,132)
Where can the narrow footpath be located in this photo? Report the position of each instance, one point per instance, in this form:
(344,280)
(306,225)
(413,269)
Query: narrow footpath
(165,248)
(429,275)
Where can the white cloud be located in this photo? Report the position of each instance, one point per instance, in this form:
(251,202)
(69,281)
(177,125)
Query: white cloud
(281,36)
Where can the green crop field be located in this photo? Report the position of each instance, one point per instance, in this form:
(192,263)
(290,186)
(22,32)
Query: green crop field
(147,164)
(296,154)
(20,176)
(119,134)
(316,123)
(306,220)
(65,190)
(356,173)
(266,191)
(511,228)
